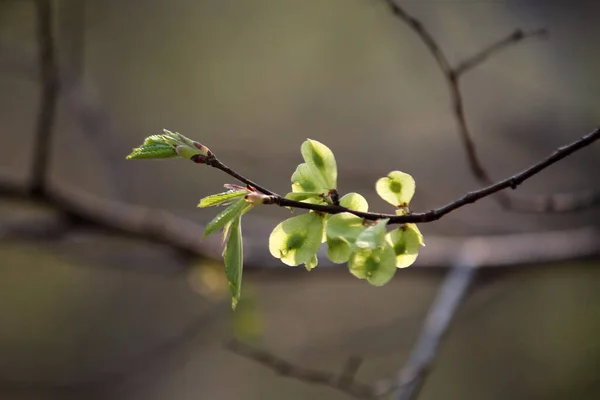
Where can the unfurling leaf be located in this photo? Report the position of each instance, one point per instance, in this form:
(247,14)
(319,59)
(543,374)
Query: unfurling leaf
(397,188)
(377,265)
(296,240)
(226,216)
(168,145)
(233,256)
(153,150)
(406,241)
(222,198)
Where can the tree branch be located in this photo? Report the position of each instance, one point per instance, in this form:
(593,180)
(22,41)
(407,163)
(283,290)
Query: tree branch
(550,203)
(420,363)
(344,382)
(511,182)
(48,99)
(483,55)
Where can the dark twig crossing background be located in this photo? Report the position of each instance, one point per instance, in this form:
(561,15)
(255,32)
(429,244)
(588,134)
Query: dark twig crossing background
(545,204)
(48,99)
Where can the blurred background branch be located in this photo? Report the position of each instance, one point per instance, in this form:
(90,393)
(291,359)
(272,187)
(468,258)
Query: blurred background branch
(49,97)
(556,202)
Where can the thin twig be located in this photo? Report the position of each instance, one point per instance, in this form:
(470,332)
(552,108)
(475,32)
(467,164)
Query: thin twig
(49,97)
(452,81)
(483,55)
(285,368)
(556,203)
(511,182)
(215,163)
(454,289)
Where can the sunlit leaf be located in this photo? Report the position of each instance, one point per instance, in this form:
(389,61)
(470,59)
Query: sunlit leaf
(338,249)
(306,179)
(345,225)
(354,201)
(406,241)
(155,139)
(221,198)
(168,145)
(397,188)
(377,265)
(225,216)
(313,262)
(373,236)
(321,159)
(296,240)
(343,229)
(228,224)
(233,256)
(152,150)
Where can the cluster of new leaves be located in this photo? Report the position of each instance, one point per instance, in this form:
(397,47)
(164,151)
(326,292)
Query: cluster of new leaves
(371,251)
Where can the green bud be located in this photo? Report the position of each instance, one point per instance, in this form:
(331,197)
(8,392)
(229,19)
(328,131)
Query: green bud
(256,198)
(186,151)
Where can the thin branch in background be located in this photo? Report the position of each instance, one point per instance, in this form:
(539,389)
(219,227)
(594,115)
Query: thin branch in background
(420,363)
(453,291)
(549,203)
(483,55)
(344,382)
(71,37)
(48,100)
(350,370)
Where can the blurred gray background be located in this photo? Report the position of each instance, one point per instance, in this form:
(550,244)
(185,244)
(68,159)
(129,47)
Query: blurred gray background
(91,315)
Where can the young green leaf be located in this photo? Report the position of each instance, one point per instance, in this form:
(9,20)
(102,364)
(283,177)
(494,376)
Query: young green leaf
(377,265)
(155,139)
(397,188)
(406,241)
(306,179)
(170,144)
(222,198)
(228,224)
(338,249)
(153,149)
(354,201)
(233,256)
(320,158)
(373,236)
(345,225)
(226,216)
(296,240)
(343,229)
